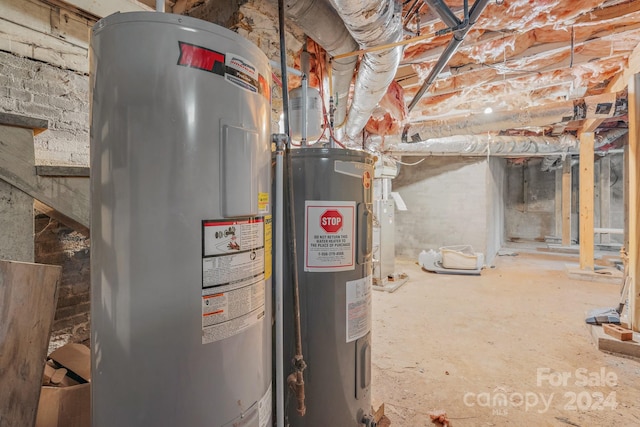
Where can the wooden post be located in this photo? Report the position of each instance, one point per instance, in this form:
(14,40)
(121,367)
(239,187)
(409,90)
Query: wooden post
(586,200)
(566,202)
(558,204)
(634,201)
(28,296)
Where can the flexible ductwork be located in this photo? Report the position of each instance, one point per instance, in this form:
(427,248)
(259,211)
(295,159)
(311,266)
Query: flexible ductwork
(482,145)
(371,23)
(592,107)
(321,22)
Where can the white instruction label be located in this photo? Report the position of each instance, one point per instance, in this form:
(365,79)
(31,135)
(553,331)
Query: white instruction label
(358,308)
(233,281)
(329,241)
(264,409)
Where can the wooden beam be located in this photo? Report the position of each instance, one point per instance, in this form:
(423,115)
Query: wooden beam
(63,219)
(558,203)
(69,196)
(634,201)
(36,124)
(28,296)
(62,171)
(586,201)
(566,201)
(106,8)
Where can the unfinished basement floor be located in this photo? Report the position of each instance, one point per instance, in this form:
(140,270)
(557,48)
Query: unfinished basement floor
(507,348)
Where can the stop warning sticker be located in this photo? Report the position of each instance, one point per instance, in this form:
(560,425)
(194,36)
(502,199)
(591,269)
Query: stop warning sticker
(329,236)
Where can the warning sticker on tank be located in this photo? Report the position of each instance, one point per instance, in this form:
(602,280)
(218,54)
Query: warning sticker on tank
(233,276)
(358,308)
(263,203)
(268,245)
(228,311)
(329,241)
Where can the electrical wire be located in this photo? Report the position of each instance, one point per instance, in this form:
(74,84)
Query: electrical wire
(412,164)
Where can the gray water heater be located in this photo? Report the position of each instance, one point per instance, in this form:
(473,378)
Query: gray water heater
(180,225)
(333,219)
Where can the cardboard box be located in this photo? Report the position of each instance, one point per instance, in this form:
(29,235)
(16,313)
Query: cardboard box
(68,406)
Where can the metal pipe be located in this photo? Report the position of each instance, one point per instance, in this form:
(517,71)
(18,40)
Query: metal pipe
(443,11)
(278,277)
(296,379)
(283,70)
(303,112)
(458,36)
(280,391)
(159,5)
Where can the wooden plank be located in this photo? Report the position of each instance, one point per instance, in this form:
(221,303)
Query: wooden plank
(36,124)
(48,19)
(28,296)
(101,8)
(63,219)
(29,43)
(69,196)
(566,201)
(618,332)
(634,201)
(558,203)
(586,201)
(45,170)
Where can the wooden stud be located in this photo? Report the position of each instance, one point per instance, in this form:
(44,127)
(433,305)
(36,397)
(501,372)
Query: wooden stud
(605,197)
(634,201)
(586,201)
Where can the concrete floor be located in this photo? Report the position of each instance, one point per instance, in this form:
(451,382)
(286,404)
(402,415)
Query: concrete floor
(507,348)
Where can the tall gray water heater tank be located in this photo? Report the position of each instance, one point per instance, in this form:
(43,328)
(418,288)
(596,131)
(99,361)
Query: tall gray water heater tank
(180,225)
(333,216)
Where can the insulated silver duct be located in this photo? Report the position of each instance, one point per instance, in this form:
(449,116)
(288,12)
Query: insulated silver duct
(482,145)
(320,22)
(371,23)
(591,107)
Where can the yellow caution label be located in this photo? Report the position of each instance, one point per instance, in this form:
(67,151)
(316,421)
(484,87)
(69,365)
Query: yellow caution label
(268,245)
(263,202)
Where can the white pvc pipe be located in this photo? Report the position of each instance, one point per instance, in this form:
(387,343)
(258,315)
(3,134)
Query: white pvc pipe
(608,230)
(279,293)
(303,137)
(159,5)
(276,64)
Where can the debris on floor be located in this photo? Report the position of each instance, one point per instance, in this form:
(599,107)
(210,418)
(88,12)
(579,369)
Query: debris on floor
(433,261)
(439,418)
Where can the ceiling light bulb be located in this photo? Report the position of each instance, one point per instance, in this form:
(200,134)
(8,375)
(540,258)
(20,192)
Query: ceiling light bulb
(488,110)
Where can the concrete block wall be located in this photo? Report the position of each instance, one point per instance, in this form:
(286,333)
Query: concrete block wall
(59,245)
(33,88)
(530,210)
(449,203)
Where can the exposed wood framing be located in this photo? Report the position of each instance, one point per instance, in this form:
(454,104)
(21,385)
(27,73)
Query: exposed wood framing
(586,201)
(69,196)
(634,201)
(102,8)
(604,184)
(40,31)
